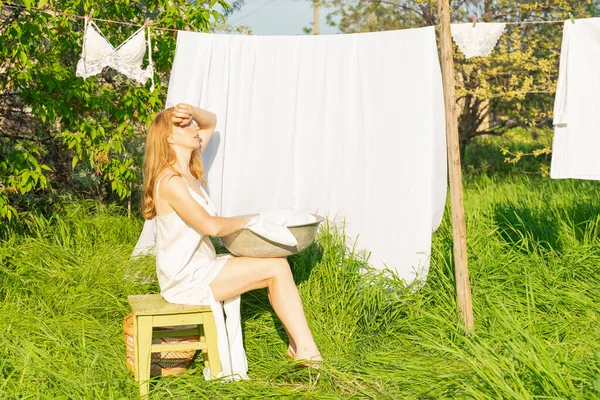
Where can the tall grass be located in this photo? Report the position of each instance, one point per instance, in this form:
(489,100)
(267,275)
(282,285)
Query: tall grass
(534,258)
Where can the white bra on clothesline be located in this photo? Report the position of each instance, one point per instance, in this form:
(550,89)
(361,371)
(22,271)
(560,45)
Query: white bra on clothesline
(127,58)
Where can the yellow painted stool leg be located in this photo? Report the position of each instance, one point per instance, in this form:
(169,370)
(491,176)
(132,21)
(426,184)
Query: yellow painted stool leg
(210,332)
(142,350)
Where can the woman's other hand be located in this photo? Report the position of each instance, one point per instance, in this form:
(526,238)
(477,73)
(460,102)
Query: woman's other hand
(182,114)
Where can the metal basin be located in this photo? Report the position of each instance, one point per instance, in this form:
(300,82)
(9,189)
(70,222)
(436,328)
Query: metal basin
(248,244)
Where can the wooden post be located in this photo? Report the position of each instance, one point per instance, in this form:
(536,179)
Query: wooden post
(459,230)
(315,17)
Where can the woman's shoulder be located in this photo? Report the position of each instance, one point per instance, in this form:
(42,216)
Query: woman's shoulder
(164,173)
(172,186)
(166,178)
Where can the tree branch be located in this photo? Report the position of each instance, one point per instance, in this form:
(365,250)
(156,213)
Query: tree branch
(488,132)
(20,136)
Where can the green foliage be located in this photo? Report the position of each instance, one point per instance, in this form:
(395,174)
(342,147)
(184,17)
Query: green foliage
(54,125)
(24,173)
(518,149)
(534,252)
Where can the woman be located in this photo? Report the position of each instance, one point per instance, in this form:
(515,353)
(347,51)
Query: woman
(188,268)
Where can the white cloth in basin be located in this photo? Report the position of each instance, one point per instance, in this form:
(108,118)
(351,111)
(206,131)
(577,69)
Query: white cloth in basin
(272,225)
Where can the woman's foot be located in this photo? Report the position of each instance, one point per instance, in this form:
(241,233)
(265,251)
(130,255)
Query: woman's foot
(310,362)
(309,358)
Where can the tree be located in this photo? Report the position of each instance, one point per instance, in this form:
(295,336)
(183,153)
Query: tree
(515,84)
(60,131)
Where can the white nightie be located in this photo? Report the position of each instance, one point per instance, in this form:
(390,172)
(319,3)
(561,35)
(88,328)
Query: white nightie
(186,264)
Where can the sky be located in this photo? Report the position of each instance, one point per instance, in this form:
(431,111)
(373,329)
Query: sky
(280,17)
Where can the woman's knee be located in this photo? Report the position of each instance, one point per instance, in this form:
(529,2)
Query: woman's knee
(279,267)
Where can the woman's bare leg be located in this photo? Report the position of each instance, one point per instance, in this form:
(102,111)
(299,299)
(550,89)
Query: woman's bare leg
(291,350)
(242,274)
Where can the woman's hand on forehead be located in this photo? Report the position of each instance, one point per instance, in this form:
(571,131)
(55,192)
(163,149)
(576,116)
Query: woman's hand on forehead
(182,114)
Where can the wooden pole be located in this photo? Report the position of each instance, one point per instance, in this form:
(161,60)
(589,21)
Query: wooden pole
(315,17)
(459,231)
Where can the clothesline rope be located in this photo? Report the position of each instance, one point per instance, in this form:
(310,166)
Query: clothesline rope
(535,22)
(175,30)
(94,19)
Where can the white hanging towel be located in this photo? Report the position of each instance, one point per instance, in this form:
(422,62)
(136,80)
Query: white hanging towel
(345,126)
(576,142)
(478,40)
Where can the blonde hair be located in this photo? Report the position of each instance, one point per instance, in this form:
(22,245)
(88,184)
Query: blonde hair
(159,156)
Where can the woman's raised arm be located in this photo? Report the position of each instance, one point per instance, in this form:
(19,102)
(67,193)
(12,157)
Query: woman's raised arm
(183,114)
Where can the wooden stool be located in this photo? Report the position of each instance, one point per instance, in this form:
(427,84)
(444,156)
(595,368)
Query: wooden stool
(151,310)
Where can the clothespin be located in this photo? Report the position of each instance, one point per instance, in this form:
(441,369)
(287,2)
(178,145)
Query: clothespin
(90,14)
(146,23)
(571,18)
(474,20)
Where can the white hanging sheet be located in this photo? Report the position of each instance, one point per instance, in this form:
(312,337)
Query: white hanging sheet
(576,142)
(345,126)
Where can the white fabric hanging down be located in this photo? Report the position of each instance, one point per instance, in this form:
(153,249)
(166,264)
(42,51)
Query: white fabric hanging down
(576,142)
(146,244)
(478,40)
(127,58)
(345,126)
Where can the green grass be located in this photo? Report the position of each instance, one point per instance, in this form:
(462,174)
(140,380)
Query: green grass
(534,258)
